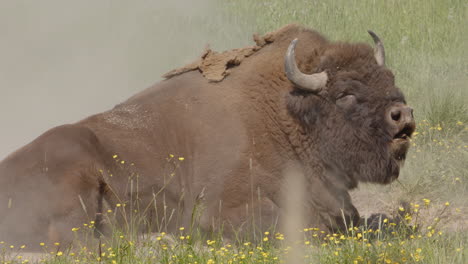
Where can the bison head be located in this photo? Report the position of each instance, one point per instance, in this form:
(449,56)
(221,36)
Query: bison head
(351,107)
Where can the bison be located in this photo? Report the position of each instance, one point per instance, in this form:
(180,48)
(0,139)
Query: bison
(219,134)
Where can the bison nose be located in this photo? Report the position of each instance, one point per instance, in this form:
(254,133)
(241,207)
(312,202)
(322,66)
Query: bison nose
(401,114)
(401,117)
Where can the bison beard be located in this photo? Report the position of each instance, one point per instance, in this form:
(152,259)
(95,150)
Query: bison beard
(239,119)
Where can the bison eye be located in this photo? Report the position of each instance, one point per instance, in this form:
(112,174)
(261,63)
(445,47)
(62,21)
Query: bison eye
(346,101)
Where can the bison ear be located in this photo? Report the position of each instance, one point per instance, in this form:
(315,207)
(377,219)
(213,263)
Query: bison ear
(303,106)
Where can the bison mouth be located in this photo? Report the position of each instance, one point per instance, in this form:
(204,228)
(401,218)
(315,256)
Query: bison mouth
(401,142)
(398,149)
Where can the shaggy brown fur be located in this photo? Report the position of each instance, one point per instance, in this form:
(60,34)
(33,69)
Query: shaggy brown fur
(237,136)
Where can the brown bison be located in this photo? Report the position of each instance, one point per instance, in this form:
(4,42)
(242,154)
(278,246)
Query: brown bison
(218,134)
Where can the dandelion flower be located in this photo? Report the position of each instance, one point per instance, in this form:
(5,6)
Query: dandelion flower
(426,202)
(280,237)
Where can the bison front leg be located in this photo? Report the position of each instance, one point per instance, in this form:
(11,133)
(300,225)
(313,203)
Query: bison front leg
(330,207)
(244,219)
(311,201)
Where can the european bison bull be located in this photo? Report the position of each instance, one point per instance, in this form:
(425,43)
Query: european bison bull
(220,133)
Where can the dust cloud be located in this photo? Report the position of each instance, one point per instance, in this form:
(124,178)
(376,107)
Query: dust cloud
(61,61)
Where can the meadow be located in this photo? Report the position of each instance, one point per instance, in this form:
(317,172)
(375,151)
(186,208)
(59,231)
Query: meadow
(426,45)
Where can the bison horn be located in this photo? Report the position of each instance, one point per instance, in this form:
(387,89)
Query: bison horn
(310,82)
(379,49)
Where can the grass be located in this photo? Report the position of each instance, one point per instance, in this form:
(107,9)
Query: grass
(391,243)
(425,43)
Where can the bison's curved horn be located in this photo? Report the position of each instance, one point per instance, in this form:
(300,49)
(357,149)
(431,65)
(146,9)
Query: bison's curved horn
(313,82)
(379,49)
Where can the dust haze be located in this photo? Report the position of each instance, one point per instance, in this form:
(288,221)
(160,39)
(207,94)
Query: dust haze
(61,61)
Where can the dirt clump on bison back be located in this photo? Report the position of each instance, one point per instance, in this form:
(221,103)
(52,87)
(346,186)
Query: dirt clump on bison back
(215,65)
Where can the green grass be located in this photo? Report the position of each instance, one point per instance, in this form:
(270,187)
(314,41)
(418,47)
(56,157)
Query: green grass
(426,44)
(430,245)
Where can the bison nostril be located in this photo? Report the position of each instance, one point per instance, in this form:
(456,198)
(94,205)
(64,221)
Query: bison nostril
(396,115)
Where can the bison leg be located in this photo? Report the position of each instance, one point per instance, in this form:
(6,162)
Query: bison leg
(52,185)
(247,220)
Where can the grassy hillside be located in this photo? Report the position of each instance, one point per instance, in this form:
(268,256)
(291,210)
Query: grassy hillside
(426,46)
